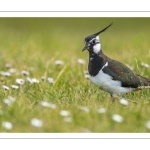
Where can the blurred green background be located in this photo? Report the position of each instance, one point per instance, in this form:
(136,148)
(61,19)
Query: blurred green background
(38,42)
(64,36)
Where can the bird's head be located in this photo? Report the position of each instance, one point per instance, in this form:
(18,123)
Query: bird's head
(92,42)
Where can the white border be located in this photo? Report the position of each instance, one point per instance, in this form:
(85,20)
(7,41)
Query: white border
(73,14)
(79,144)
(74,5)
(74,141)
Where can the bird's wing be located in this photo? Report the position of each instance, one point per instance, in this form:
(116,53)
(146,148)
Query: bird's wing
(121,72)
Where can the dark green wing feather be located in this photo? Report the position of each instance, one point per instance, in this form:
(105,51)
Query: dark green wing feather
(121,72)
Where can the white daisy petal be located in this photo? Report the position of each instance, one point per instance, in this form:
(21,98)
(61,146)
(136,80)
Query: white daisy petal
(81,61)
(101,110)
(87,76)
(12,70)
(147,124)
(12,99)
(85,109)
(5,87)
(86,72)
(9,100)
(7,125)
(124,102)
(29,80)
(15,87)
(34,80)
(86,130)
(50,80)
(117,118)
(46,104)
(6,74)
(59,62)
(8,66)
(24,72)
(64,113)
(145,65)
(20,81)
(68,119)
(36,122)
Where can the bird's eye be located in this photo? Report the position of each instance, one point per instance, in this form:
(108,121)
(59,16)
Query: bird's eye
(93,42)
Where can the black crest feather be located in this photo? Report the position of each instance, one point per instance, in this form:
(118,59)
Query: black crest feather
(103,29)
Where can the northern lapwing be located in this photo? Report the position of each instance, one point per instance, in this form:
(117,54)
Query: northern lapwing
(111,75)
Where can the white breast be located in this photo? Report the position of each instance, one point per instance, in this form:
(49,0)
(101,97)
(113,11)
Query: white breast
(105,82)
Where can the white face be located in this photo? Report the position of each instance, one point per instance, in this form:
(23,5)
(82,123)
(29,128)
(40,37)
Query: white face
(97,46)
(97,39)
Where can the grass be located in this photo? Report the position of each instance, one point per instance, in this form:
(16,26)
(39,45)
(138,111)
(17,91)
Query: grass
(34,44)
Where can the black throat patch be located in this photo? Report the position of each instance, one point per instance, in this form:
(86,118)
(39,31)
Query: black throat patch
(96,62)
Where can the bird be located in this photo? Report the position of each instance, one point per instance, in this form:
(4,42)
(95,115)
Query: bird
(108,74)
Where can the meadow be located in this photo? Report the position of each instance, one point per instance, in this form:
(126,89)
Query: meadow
(44,88)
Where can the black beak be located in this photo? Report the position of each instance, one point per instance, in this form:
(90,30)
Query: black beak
(86,47)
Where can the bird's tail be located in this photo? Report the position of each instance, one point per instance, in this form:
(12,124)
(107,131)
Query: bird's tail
(144,82)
